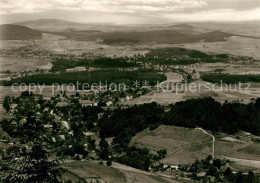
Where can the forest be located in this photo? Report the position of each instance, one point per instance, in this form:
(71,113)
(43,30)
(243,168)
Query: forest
(229,118)
(60,64)
(176,52)
(230,79)
(124,124)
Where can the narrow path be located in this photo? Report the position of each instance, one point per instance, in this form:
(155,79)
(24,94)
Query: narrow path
(122,52)
(213,140)
(183,146)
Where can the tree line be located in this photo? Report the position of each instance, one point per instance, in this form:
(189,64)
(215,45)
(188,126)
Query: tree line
(60,64)
(230,79)
(207,113)
(109,76)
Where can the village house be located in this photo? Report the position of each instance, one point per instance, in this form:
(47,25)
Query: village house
(22,121)
(13,122)
(89,134)
(196,75)
(62,104)
(65,124)
(128,97)
(46,109)
(93,154)
(109,103)
(48,126)
(86,103)
(62,137)
(100,115)
(76,69)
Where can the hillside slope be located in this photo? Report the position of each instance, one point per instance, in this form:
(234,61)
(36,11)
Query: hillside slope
(184,145)
(163,37)
(17,32)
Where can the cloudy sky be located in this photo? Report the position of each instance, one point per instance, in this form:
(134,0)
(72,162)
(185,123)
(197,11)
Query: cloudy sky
(130,11)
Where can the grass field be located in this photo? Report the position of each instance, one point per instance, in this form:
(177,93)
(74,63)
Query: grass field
(69,176)
(142,178)
(184,145)
(251,149)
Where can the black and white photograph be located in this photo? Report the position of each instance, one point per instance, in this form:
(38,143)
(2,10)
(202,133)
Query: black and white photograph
(129,91)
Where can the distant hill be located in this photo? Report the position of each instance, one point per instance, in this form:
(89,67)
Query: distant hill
(61,25)
(50,24)
(64,25)
(17,32)
(41,22)
(154,37)
(113,34)
(214,36)
(181,26)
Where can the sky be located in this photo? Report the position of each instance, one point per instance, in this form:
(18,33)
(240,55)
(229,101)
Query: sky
(130,11)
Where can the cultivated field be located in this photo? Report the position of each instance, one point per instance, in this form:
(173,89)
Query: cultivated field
(22,64)
(233,45)
(58,44)
(9,44)
(196,89)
